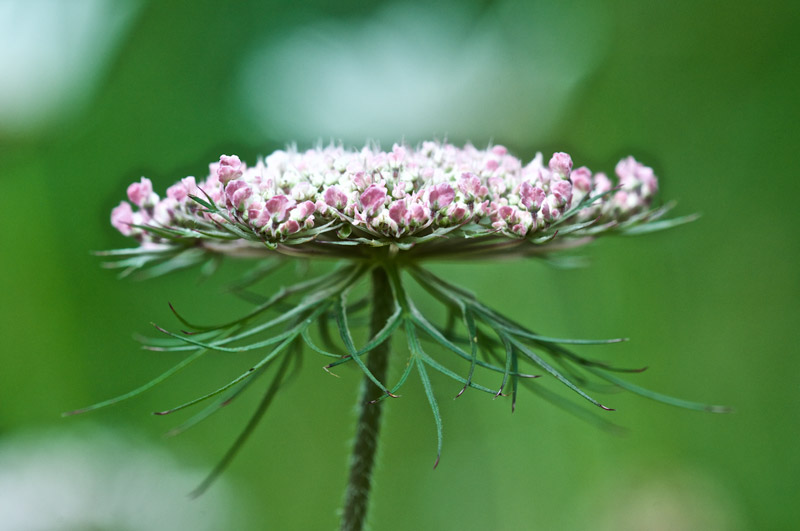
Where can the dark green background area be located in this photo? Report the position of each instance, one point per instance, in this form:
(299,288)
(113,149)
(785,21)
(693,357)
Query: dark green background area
(704,92)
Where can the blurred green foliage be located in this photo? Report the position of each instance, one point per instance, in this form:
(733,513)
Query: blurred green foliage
(705,93)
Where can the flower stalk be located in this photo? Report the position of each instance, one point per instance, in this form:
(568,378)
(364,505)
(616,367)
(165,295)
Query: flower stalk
(365,447)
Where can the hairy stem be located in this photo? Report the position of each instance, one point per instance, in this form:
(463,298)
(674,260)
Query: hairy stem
(356,500)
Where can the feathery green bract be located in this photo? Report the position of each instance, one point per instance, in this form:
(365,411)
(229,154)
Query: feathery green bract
(477,334)
(659,225)
(419,356)
(271,393)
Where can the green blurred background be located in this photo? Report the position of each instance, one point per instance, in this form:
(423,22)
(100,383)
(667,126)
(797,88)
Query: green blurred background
(95,94)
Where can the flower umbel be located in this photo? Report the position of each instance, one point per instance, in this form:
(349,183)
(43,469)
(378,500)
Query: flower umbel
(321,200)
(380,216)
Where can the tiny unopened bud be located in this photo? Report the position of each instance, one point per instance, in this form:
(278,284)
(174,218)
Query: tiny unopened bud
(440,196)
(562,190)
(531,197)
(141,193)
(229,168)
(278,207)
(335,198)
(561,163)
(237,192)
(372,199)
(122,218)
(581,179)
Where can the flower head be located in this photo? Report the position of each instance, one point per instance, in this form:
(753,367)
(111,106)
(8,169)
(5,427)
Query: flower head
(321,199)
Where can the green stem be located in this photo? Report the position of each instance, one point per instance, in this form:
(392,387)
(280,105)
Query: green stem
(356,500)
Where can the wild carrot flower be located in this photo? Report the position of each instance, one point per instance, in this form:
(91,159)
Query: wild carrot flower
(381,215)
(318,201)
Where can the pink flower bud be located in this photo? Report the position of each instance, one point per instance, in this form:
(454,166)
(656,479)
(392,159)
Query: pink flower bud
(545,211)
(440,196)
(303,190)
(499,150)
(279,207)
(257,215)
(561,163)
(480,209)
(398,154)
(139,193)
(229,168)
(399,213)
(361,180)
(632,173)
(399,190)
(648,179)
(457,212)
(216,194)
(122,218)
(419,214)
(562,191)
(304,209)
(372,199)
(626,170)
(335,198)
(181,190)
(497,185)
(291,226)
(177,192)
(322,207)
(470,185)
(531,196)
(519,229)
(237,192)
(602,183)
(581,179)
(505,213)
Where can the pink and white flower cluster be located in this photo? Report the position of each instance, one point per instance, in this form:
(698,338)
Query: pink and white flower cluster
(388,195)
